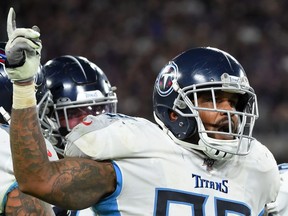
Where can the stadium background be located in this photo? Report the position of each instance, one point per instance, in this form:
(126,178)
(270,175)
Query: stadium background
(132,39)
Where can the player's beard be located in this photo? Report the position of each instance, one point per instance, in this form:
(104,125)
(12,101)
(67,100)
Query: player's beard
(222,126)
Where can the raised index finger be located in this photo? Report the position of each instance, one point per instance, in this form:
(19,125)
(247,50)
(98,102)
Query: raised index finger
(11,22)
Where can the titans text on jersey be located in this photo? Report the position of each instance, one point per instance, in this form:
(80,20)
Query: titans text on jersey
(205,183)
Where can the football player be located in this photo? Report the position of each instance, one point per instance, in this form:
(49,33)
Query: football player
(69,89)
(202,161)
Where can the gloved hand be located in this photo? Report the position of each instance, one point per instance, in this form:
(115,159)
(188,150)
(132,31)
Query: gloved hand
(23,50)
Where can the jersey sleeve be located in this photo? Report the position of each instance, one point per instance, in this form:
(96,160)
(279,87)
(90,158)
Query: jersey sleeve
(280,207)
(109,137)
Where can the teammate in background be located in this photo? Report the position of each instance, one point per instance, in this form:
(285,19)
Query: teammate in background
(12,200)
(61,108)
(70,88)
(204,161)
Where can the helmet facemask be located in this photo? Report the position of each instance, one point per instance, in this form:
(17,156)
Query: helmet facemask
(66,110)
(49,124)
(55,119)
(238,137)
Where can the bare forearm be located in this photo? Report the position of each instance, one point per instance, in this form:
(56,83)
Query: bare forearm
(27,144)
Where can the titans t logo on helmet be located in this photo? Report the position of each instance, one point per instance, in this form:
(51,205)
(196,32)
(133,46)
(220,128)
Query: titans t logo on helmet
(165,79)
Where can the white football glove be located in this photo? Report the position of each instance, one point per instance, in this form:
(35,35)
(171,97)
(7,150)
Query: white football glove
(23,50)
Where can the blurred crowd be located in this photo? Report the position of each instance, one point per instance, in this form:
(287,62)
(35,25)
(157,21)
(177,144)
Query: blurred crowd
(131,40)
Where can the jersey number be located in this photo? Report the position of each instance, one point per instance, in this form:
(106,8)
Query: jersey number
(197,203)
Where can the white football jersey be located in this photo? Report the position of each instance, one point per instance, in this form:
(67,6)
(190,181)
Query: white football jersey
(7,178)
(280,207)
(155,176)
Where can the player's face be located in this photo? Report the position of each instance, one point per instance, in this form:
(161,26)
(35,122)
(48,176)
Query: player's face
(77,114)
(218,121)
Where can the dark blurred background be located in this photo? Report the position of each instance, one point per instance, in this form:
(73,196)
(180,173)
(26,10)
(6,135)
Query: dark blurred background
(132,39)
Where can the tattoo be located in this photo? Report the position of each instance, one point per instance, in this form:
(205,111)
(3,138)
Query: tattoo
(24,138)
(70,183)
(80,181)
(20,204)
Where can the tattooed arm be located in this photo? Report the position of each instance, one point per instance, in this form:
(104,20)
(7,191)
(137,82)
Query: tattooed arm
(71,183)
(19,203)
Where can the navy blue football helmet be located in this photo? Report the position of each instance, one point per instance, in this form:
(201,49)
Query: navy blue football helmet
(177,88)
(71,85)
(6,89)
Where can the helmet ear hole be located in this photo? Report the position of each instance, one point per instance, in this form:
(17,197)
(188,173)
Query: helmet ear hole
(172,115)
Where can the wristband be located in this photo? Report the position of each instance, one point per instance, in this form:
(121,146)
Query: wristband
(24,96)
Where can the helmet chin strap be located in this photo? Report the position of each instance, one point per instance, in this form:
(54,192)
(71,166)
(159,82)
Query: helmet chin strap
(214,153)
(219,149)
